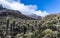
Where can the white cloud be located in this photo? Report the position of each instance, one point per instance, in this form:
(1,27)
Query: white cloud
(32,7)
(25,9)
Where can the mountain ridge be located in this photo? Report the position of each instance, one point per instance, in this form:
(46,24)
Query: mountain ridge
(15,13)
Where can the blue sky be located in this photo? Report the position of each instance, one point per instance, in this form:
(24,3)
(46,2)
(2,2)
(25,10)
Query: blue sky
(51,6)
(28,7)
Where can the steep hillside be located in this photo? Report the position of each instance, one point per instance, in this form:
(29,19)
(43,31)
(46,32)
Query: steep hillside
(51,22)
(15,13)
(49,26)
(53,18)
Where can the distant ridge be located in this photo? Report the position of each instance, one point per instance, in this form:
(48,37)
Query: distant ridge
(35,16)
(16,14)
(12,13)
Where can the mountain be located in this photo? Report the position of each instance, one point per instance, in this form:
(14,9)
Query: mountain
(34,16)
(15,13)
(12,13)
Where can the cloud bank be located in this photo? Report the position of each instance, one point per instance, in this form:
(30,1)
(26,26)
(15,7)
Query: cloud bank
(25,9)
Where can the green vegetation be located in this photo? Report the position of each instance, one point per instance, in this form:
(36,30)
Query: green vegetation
(47,27)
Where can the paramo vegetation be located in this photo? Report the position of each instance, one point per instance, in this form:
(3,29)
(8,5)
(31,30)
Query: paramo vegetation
(15,25)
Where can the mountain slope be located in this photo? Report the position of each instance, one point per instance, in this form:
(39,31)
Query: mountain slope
(34,16)
(15,13)
(51,21)
(12,13)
